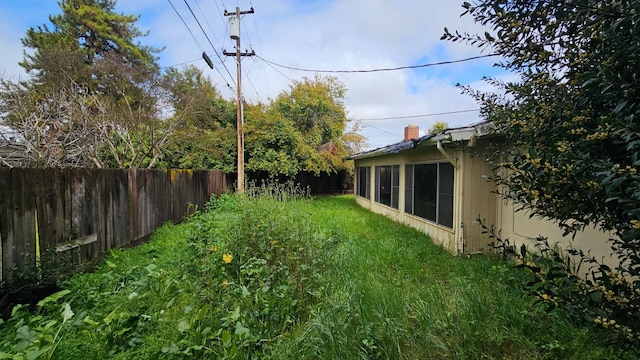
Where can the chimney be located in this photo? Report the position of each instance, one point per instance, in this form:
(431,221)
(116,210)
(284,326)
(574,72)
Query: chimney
(411,132)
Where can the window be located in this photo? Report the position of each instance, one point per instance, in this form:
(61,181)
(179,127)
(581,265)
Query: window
(388,185)
(363,187)
(429,192)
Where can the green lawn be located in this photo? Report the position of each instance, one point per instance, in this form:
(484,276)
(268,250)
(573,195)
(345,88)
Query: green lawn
(286,277)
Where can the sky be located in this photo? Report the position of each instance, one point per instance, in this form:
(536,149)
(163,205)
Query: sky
(308,34)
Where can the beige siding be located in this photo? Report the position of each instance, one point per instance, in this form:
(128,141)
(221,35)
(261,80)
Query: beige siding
(475,197)
(479,198)
(520,228)
(448,238)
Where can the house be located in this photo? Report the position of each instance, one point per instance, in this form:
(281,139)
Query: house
(435,184)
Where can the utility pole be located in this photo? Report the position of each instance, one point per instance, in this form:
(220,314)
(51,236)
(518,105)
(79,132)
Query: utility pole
(234,32)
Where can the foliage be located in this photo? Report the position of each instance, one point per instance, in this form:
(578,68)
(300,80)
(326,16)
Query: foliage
(90,42)
(43,125)
(275,274)
(206,136)
(438,127)
(302,130)
(605,298)
(36,336)
(98,98)
(95,98)
(273,143)
(572,121)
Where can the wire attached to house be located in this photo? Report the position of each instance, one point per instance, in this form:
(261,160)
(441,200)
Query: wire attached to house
(379,69)
(420,115)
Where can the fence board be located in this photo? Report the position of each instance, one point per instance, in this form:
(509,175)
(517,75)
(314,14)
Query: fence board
(91,210)
(6,219)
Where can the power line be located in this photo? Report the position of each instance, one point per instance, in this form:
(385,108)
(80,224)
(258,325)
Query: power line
(187,26)
(208,25)
(182,63)
(220,13)
(381,130)
(197,43)
(418,116)
(255,26)
(380,69)
(209,40)
(279,72)
(253,86)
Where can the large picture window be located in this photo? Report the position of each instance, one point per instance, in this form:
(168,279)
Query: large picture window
(429,192)
(363,187)
(388,185)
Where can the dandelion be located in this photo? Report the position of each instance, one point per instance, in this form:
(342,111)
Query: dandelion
(225,284)
(227,258)
(213,248)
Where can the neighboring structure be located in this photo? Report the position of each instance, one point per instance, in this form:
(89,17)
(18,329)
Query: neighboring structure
(434,183)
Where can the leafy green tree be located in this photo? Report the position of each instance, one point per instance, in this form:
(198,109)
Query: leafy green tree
(88,42)
(206,138)
(573,119)
(274,147)
(317,107)
(438,127)
(313,109)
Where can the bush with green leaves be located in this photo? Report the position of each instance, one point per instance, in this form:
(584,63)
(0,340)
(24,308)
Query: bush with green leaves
(571,121)
(602,297)
(260,259)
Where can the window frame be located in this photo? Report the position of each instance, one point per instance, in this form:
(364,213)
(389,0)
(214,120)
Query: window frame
(444,193)
(393,185)
(367,182)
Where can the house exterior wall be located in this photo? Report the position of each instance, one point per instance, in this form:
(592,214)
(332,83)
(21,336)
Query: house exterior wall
(475,198)
(449,238)
(479,198)
(520,228)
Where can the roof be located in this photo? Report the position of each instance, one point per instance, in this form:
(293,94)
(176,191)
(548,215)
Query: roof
(463,133)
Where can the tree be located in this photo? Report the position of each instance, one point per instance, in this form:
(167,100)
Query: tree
(438,127)
(573,119)
(275,148)
(88,42)
(54,131)
(206,139)
(314,110)
(111,84)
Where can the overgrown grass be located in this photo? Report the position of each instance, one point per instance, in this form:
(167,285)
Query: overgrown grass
(279,275)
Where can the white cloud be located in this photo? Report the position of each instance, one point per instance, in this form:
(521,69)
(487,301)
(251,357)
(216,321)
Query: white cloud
(344,34)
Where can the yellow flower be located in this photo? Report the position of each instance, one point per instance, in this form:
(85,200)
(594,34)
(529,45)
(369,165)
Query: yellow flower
(535,162)
(213,248)
(635,224)
(227,258)
(225,284)
(274,242)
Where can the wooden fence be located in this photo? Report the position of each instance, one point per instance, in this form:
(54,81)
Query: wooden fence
(89,211)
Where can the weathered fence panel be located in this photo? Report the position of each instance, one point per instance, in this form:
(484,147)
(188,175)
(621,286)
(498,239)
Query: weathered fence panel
(89,211)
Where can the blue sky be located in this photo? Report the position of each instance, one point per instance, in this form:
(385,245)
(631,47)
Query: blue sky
(319,34)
